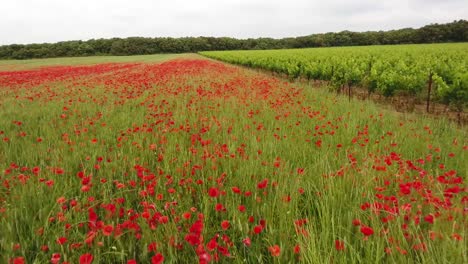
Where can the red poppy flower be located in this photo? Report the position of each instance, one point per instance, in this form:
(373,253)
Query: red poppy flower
(225,224)
(258,229)
(366,230)
(213,192)
(107,230)
(263,184)
(18,260)
(86,258)
(61,240)
(275,250)
(339,245)
(157,259)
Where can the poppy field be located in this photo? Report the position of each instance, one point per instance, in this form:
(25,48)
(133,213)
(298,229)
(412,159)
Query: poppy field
(190,160)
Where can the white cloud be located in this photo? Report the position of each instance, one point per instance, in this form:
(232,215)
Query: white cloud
(37,21)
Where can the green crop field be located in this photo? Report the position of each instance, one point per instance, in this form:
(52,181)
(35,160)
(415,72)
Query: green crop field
(183,159)
(410,70)
(9,65)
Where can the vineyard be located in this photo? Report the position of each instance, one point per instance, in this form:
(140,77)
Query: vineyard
(436,72)
(183,159)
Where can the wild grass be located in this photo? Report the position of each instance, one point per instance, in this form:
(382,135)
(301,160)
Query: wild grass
(157,137)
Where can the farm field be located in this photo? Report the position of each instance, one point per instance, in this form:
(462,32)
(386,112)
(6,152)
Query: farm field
(15,65)
(429,73)
(183,159)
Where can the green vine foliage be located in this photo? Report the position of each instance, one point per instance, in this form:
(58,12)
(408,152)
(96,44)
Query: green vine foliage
(387,70)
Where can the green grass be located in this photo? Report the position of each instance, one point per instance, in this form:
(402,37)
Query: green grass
(33,63)
(259,128)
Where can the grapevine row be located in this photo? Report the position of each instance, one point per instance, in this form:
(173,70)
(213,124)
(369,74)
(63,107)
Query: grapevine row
(435,71)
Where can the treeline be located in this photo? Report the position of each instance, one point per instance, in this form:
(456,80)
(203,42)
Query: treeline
(456,31)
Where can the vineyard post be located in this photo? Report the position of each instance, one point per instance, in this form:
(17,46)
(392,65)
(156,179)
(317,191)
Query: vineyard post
(369,89)
(459,118)
(429,87)
(349,91)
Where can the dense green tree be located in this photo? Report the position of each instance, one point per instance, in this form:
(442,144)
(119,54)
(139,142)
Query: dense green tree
(457,31)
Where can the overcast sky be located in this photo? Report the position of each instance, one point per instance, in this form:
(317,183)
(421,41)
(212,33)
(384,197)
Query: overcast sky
(38,21)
